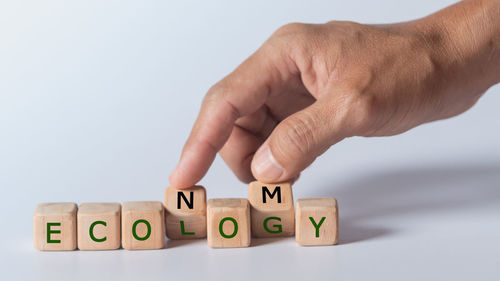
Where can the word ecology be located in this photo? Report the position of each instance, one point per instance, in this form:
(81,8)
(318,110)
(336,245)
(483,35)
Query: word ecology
(268,212)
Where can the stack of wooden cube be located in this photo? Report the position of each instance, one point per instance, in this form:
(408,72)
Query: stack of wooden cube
(268,212)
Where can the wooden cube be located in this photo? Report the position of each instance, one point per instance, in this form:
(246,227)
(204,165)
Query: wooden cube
(272,211)
(186,212)
(54,227)
(99,226)
(228,223)
(316,221)
(143,225)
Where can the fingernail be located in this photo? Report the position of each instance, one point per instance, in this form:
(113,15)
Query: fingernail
(265,165)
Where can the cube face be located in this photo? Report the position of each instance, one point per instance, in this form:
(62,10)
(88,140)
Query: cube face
(186,213)
(228,223)
(316,221)
(54,227)
(143,225)
(272,211)
(99,226)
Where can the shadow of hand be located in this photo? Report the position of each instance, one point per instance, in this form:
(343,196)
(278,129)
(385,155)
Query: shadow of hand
(398,194)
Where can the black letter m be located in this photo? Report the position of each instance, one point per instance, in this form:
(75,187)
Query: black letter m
(277,190)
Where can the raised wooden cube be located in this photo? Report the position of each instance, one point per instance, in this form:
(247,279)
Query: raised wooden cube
(143,225)
(228,223)
(186,212)
(54,227)
(99,226)
(272,211)
(316,221)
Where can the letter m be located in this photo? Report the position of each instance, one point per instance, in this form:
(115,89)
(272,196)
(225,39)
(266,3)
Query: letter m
(277,191)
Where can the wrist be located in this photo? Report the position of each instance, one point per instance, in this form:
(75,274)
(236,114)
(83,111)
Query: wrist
(464,42)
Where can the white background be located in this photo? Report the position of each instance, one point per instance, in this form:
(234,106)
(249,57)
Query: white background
(97,98)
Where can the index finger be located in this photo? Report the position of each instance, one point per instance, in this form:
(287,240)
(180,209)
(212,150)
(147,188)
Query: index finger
(240,93)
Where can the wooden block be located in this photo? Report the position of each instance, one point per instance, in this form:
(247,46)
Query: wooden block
(272,211)
(316,221)
(143,225)
(228,223)
(99,226)
(54,227)
(186,213)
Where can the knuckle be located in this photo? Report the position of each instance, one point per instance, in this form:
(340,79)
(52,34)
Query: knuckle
(291,28)
(366,113)
(289,38)
(298,133)
(217,93)
(291,34)
(214,93)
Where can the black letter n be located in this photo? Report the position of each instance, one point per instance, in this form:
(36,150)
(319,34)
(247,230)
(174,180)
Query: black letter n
(277,190)
(189,203)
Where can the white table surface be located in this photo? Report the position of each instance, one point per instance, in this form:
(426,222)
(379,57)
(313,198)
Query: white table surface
(96,99)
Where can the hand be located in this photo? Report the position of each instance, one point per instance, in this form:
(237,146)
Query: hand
(310,86)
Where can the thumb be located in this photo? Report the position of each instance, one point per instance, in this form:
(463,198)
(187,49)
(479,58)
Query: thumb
(296,142)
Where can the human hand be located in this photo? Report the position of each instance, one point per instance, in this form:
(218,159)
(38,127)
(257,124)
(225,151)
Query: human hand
(310,86)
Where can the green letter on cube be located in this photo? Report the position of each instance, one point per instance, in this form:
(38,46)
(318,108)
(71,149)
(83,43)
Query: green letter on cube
(221,230)
(50,231)
(134,233)
(278,227)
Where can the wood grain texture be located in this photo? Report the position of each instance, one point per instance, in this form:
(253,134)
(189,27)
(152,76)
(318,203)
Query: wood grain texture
(54,227)
(99,226)
(320,211)
(186,218)
(147,218)
(272,211)
(231,218)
